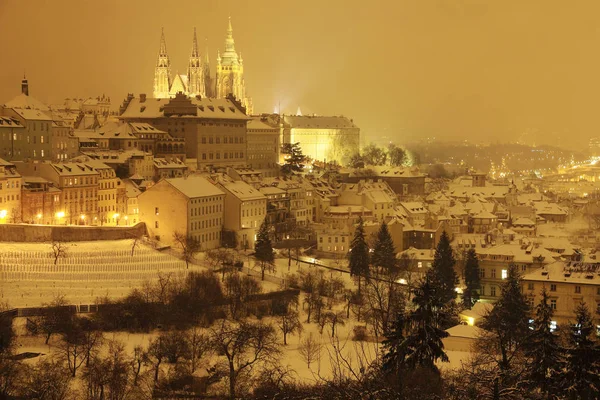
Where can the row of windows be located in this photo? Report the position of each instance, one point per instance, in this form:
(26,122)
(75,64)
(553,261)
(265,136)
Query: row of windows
(10,185)
(226,140)
(106,197)
(577,288)
(9,198)
(206,210)
(81,181)
(252,212)
(329,239)
(217,155)
(209,236)
(335,248)
(210,223)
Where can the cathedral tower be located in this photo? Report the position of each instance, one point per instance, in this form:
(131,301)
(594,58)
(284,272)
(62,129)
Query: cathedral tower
(162,72)
(195,74)
(230,73)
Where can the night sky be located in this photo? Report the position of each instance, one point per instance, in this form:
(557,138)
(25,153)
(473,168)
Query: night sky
(479,70)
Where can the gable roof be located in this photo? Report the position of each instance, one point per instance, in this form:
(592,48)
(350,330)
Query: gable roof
(194,186)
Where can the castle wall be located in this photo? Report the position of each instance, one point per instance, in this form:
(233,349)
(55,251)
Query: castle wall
(44,233)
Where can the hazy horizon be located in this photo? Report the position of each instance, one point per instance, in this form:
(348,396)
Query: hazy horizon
(403,70)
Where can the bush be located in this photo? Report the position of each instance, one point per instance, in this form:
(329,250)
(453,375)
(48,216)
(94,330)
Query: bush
(359,333)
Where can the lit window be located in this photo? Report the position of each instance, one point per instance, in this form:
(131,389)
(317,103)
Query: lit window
(552,326)
(504,274)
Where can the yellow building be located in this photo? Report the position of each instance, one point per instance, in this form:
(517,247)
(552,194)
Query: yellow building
(192,206)
(568,284)
(10,193)
(322,138)
(78,183)
(246,208)
(263,147)
(108,184)
(214,129)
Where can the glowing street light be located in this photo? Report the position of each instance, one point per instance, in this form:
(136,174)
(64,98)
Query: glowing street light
(3,214)
(60,214)
(39,216)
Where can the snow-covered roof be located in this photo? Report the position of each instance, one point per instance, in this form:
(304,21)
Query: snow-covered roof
(318,122)
(9,122)
(567,272)
(32,115)
(23,101)
(242,190)
(523,222)
(255,124)
(194,186)
(204,108)
(465,331)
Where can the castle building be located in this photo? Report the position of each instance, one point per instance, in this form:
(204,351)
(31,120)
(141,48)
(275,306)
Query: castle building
(229,78)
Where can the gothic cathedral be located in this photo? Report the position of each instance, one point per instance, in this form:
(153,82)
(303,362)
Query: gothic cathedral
(198,81)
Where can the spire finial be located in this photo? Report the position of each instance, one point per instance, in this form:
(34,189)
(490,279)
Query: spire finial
(230,29)
(195,52)
(163,43)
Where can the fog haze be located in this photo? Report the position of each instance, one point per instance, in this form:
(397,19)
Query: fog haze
(455,70)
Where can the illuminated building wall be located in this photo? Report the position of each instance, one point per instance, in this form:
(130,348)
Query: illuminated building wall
(323,138)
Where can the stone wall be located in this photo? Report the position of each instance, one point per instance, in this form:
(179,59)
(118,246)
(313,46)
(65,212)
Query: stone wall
(46,233)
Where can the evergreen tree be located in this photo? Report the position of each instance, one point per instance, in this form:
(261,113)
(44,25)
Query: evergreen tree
(423,345)
(263,248)
(472,282)
(442,271)
(359,253)
(542,349)
(384,253)
(509,319)
(392,357)
(294,159)
(581,378)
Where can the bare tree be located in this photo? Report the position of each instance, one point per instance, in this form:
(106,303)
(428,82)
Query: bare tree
(48,379)
(155,355)
(189,246)
(334,319)
(57,317)
(59,249)
(198,345)
(74,348)
(245,346)
(289,323)
(136,363)
(309,349)
(108,378)
(314,303)
(238,288)
(135,243)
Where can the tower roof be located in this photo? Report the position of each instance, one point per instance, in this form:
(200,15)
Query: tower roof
(229,56)
(195,52)
(163,57)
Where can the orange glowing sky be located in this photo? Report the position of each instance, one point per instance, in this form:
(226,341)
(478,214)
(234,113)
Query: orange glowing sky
(481,70)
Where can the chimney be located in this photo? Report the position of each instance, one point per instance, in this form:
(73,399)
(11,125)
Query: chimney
(142,97)
(25,86)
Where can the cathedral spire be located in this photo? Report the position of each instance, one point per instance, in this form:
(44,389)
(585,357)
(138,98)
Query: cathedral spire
(163,45)
(195,52)
(229,43)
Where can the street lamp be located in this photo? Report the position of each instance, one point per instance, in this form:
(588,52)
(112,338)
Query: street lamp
(116,217)
(82,218)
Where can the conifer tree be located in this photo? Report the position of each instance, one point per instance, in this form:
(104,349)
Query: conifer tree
(442,273)
(263,248)
(294,159)
(423,345)
(384,253)
(581,378)
(358,255)
(392,357)
(472,282)
(542,349)
(508,321)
